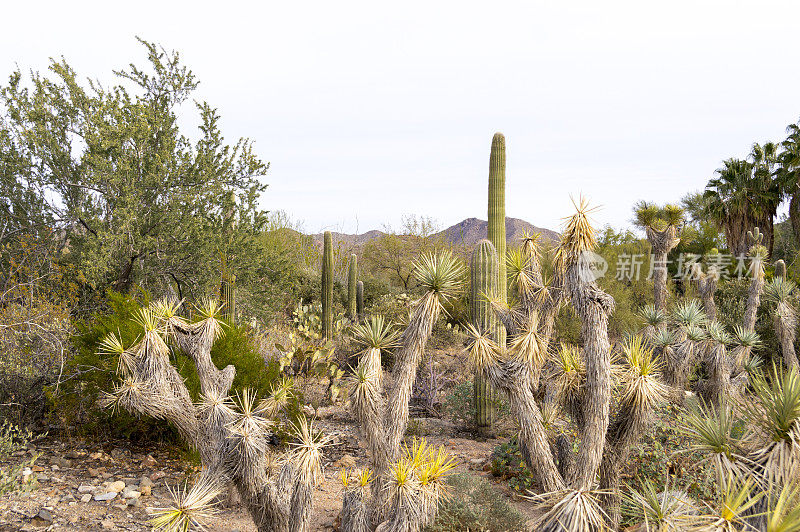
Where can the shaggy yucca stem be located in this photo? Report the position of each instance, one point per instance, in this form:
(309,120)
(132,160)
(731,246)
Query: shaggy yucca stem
(719,365)
(662,227)
(642,391)
(352,290)
(757,253)
(593,306)
(484,270)
(327,286)
(780,268)
(706,285)
(780,292)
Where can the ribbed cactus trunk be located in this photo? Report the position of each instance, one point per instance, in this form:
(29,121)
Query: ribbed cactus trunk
(360,299)
(327,286)
(485,276)
(496,234)
(497,209)
(352,290)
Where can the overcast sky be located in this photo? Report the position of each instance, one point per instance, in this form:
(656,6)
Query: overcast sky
(371,110)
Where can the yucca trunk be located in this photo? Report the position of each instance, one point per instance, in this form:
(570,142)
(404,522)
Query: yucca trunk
(662,242)
(593,306)
(719,367)
(484,270)
(706,285)
(785,321)
(677,361)
(513,377)
(355,513)
(754,294)
(415,338)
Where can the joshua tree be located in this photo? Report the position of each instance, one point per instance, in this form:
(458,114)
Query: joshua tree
(758,253)
(584,387)
(662,226)
(780,292)
(706,285)
(405,489)
(718,364)
(230,434)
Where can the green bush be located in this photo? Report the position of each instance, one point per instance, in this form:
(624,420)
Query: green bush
(77,406)
(473,505)
(508,464)
(459,405)
(12,480)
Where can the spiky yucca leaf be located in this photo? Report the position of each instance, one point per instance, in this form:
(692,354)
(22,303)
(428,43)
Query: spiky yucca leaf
(642,387)
(779,289)
(376,333)
(568,371)
(578,235)
(517,268)
(571,510)
(653,316)
(729,514)
(689,313)
(646,214)
(664,338)
(441,274)
(111,346)
(711,432)
(717,333)
(528,345)
(217,407)
(745,338)
(673,214)
(483,351)
(280,394)
(695,333)
(660,511)
(306,452)
(190,508)
(783,514)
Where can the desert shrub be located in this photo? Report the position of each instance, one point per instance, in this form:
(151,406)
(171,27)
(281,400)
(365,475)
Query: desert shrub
(508,464)
(475,506)
(12,479)
(428,386)
(95,372)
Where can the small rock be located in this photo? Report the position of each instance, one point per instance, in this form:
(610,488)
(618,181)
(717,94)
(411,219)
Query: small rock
(116,487)
(145,481)
(73,454)
(149,462)
(84,488)
(106,476)
(345,462)
(134,503)
(68,497)
(107,496)
(45,515)
(119,452)
(94,472)
(86,498)
(129,493)
(61,462)
(146,490)
(157,475)
(96,456)
(37,469)
(42,478)
(108,523)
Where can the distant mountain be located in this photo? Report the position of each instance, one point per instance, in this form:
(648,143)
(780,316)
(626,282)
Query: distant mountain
(467,233)
(472,230)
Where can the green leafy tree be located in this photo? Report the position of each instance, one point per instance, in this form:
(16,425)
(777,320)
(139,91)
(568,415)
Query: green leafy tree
(137,201)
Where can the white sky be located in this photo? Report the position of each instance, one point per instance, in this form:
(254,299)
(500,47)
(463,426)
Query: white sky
(370,110)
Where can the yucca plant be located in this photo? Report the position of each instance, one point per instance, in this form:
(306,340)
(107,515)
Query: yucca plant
(780,292)
(660,511)
(783,513)
(706,285)
(654,320)
(711,432)
(731,512)
(662,226)
(718,364)
(758,254)
(572,511)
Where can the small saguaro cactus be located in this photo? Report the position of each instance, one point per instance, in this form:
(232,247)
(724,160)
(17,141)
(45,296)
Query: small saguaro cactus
(360,299)
(484,272)
(327,286)
(496,232)
(352,291)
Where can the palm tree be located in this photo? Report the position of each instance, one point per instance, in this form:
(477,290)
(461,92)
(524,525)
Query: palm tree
(743,195)
(787,174)
(765,160)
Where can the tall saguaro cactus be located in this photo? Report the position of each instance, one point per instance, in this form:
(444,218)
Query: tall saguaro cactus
(327,286)
(352,291)
(485,274)
(497,210)
(360,299)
